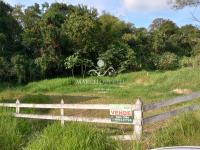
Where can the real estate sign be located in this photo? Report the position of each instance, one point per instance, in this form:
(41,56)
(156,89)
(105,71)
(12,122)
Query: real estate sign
(121,113)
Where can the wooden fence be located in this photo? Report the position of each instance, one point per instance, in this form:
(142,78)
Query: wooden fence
(138,109)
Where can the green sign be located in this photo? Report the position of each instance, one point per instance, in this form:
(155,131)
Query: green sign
(121,113)
(125,119)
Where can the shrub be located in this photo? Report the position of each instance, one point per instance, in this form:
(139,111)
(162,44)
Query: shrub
(153,61)
(73,136)
(186,62)
(196,49)
(197,60)
(71,81)
(120,56)
(168,61)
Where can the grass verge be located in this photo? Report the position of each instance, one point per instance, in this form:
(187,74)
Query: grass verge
(73,136)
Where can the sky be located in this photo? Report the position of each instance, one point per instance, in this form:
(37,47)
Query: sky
(139,12)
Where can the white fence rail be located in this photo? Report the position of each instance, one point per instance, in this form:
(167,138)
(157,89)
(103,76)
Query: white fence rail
(138,109)
(172,101)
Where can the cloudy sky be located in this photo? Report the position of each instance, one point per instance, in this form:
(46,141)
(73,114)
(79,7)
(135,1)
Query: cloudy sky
(138,12)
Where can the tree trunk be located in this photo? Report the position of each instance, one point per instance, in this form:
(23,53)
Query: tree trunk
(82,73)
(73,73)
(84,70)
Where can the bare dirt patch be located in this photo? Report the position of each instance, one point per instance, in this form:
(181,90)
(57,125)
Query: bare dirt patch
(182,91)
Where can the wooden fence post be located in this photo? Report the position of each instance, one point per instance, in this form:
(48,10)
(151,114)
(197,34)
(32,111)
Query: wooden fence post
(17,107)
(62,113)
(138,114)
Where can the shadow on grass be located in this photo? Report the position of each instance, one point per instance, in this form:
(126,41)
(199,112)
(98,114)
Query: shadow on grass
(68,99)
(48,99)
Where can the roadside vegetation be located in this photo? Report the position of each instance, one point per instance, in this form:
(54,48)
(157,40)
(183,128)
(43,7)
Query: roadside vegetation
(179,131)
(73,136)
(150,86)
(183,130)
(31,135)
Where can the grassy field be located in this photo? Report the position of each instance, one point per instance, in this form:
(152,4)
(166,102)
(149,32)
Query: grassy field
(124,88)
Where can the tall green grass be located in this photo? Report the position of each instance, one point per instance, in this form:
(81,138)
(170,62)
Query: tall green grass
(183,130)
(72,136)
(15,133)
(150,86)
(18,134)
(10,136)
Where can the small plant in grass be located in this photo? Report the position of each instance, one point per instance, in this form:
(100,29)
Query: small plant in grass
(186,62)
(72,136)
(168,61)
(71,81)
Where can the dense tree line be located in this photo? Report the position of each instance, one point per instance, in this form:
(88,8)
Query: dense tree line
(46,41)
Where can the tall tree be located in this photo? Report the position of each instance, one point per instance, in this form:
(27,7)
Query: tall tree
(19,63)
(52,49)
(179,4)
(161,38)
(31,36)
(10,30)
(190,39)
(183,3)
(81,28)
(10,39)
(112,29)
(156,24)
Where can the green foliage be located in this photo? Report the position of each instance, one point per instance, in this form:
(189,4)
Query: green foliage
(141,45)
(161,38)
(189,39)
(197,61)
(4,68)
(187,62)
(2,41)
(190,61)
(196,49)
(130,62)
(81,29)
(168,61)
(19,63)
(71,61)
(74,61)
(112,29)
(73,136)
(44,63)
(42,41)
(120,56)
(156,24)
(9,31)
